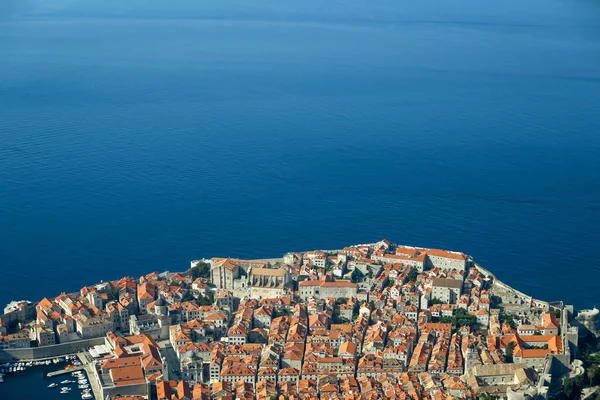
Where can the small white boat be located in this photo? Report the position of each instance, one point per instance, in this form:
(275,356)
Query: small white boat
(52,385)
(83,386)
(65,389)
(1,378)
(66,382)
(86,396)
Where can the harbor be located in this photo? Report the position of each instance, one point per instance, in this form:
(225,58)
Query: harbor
(48,379)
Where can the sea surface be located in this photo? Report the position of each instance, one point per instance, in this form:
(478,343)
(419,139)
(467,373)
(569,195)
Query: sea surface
(139,135)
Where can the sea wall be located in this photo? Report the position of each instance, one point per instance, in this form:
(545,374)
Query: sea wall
(271,260)
(56,350)
(499,285)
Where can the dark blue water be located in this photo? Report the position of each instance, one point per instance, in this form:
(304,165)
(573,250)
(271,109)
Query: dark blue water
(33,384)
(138,135)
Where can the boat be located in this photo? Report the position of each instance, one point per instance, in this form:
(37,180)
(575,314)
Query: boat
(87,396)
(1,378)
(52,385)
(65,389)
(66,382)
(83,386)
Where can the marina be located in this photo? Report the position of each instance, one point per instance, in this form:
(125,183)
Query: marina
(54,378)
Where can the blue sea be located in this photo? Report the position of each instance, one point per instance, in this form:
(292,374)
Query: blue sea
(138,135)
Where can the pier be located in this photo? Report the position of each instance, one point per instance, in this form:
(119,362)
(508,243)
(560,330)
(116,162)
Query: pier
(64,371)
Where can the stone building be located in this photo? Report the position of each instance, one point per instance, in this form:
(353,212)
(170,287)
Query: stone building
(446,260)
(157,327)
(327,288)
(268,282)
(93,327)
(495,379)
(446,290)
(224,272)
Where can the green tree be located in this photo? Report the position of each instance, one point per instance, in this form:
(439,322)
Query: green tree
(509,320)
(355,309)
(112,292)
(206,300)
(435,300)
(462,318)
(508,356)
(592,373)
(572,387)
(188,296)
(279,312)
(201,270)
(412,274)
(555,312)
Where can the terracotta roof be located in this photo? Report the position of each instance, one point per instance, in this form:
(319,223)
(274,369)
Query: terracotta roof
(446,254)
(127,375)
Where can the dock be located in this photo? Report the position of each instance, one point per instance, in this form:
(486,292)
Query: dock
(64,371)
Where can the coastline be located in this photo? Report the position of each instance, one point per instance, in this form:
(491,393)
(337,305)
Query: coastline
(331,270)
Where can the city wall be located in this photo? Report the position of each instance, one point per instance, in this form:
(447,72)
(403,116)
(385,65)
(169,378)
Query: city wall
(56,350)
(498,284)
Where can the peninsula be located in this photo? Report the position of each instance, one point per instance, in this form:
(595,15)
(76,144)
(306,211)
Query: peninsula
(370,321)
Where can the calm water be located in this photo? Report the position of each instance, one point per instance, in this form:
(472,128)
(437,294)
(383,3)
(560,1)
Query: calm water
(137,135)
(33,384)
